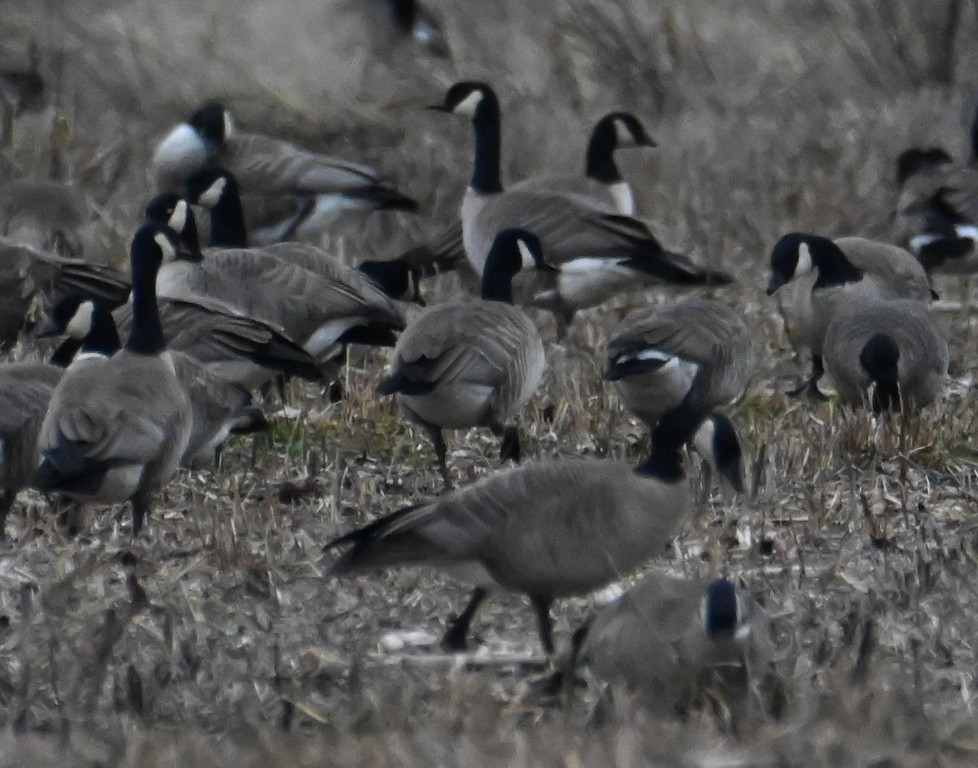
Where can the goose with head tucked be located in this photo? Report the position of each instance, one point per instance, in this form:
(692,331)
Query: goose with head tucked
(317,187)
(116,428)
(848,269)
(472,363)
(597,252)
(549,529)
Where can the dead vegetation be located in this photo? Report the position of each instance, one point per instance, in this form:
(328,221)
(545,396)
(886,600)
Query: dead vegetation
(216,640)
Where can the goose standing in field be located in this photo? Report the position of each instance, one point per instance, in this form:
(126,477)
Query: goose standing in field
(669,638)
(597,252)
(318,187)
(549,529)
(697,350)
(848,269)
(602,180)
(892,355)
(220,407)
(25,390)
(116,427)
(472,363)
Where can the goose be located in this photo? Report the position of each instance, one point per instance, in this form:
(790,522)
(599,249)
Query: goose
(602,180)
(322,311)
(116,428)
(893,353)
(698,349)
(847,269)
(238,349)
(472,363)
(597,252)
(216,191)
(549,529)
(220,407)
(667,638)
(318,186)
(25,390)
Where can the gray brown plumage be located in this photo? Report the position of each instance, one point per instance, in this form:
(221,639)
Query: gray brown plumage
(697,349)
(549,529)
(891,355)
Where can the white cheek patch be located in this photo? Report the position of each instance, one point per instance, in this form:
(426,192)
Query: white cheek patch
(178,219)
(469,104)
(623,136)
(213,193)
(805,263)
(703,440)
(967,231)
(526,254)
(80,324)
(228,125)
(621,194)
(166,247)
(920,241)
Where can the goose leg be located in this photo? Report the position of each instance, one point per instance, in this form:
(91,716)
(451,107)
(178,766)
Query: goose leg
(454,638)
(810,388)
(544,623)
(6,501)
(441,452)
(140,508)
(510,446)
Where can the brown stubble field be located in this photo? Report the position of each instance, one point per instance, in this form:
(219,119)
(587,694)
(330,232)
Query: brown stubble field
(224,643)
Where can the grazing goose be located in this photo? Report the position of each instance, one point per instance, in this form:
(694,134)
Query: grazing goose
(549,529)
(847,269)
(698,349)
(220,407)
(597,252)
(891,354)
(216,191)
(602,180)
(472,363)
(317,186)
(669,638)
(116,427)
(25,389)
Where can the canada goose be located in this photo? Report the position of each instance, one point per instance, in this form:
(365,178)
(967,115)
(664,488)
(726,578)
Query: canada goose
(220,407)
(666,638)
(321,311)
(216,191)
(893,353)
(25,389)
(602,180)
(549,529)
(597,251)
(847,269)
(472,363)
(319,186)
(116,427)
(698,349)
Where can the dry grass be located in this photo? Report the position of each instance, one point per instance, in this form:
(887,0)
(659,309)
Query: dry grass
(226,645)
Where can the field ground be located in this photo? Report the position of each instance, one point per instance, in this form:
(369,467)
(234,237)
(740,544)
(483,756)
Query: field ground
(226,644)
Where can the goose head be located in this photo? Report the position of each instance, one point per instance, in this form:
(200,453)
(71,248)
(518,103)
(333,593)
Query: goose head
(621,130)
(171,210)
(469,98)
(724,612)
(916,160)
(512,251)
(213,123)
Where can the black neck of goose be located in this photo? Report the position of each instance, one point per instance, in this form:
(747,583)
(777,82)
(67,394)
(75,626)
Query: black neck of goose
(673,431)
(497,282)
(103,337)
(601,155)
(486,177)
(146,333)
(833,266)
(190,239)
(65,353)
(227,220)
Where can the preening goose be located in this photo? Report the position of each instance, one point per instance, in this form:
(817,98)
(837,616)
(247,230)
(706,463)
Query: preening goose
(697,349)
(549,529)
(25,390)
(891,355)
(318,186)
(116,427)
(848,269)
(597,251)
(220,407)
(669,638)
(472,363)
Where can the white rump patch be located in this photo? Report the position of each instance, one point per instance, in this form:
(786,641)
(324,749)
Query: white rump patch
(589,281)
(178,219)
(621,194)
(81,322)
(525,254)
(805,263)
(166,247)
(213,193)
(469,104)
